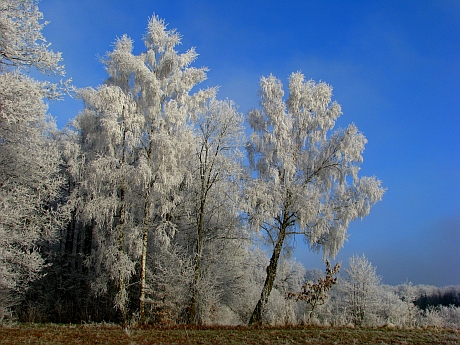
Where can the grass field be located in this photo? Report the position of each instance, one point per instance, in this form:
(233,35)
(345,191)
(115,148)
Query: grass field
(52,334)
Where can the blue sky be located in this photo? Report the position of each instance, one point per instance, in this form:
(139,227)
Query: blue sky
(395,69)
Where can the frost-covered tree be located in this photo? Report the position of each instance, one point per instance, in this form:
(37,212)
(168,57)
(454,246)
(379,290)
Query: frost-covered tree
(166,102)
(29,159)
(214,193)
(29,181)
(110,134)
(306,179)
(393,308)
(140,139)
(63,294)
(22,44)
(360,287)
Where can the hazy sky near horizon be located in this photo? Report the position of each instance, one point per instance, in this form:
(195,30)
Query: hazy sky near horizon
(395,69)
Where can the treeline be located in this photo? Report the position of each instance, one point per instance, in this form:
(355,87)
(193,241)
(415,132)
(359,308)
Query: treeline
(141,209)
(437,296)
(357,298)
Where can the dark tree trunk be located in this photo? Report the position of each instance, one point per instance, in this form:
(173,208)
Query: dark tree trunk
(256,317)
(193,317)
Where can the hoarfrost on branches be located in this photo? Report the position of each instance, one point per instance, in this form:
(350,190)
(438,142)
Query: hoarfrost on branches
(306,176)
(136,134)
(29,159)
(22,44)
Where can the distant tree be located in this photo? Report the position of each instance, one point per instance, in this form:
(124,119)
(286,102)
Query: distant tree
(360,288)
(440,316)
(306,178)
(436,296)
(406,294)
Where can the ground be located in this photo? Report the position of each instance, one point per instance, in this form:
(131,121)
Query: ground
(52,334)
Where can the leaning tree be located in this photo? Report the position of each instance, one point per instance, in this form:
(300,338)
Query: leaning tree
(305,175)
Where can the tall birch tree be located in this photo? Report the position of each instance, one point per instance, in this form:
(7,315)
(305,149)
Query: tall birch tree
(158,83)
(306,175)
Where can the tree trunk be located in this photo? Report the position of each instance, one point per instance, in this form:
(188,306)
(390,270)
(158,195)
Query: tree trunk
(122,221)
(121,245)
(145,237)
(196,278)
(256,317)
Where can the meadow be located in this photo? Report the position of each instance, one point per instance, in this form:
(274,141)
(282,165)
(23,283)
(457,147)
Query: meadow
(53,334)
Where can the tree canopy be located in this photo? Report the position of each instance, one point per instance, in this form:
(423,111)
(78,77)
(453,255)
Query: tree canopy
(306,176)
(141,209)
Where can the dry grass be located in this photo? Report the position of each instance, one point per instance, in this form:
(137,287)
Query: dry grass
(52,334)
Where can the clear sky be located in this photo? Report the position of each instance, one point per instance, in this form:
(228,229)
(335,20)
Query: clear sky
(395,69)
